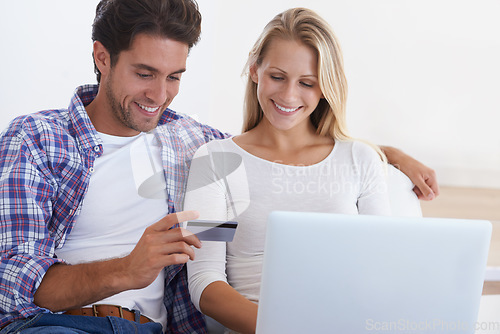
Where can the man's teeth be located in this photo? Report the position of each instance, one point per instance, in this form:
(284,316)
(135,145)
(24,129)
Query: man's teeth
(285,109)
(148,109)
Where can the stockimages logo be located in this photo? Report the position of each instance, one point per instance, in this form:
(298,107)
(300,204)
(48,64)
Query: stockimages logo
(147,168)
(213,170)
(209,175)
(208,171)
(154,186)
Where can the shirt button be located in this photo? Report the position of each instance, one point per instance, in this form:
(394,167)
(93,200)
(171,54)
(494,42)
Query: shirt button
(91,169)
(96,148)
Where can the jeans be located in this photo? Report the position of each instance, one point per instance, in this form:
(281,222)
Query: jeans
(48,323)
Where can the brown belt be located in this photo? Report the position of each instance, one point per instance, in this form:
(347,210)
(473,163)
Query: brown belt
(103,310)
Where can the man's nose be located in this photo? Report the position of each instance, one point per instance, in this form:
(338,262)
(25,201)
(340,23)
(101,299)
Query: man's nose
(157,92)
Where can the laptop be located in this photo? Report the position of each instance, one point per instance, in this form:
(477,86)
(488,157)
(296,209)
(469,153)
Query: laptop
(333,273)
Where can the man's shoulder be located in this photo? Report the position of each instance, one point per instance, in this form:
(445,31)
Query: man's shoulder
(177,120)
(61,120)
(43,122)
(47,130)
(186,127)
(173,119)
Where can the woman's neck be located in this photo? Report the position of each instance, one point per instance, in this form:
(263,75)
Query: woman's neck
(292,147)
(283,140)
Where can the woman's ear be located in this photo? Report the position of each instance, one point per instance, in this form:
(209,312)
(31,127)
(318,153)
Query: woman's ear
(253,74)
(102,58)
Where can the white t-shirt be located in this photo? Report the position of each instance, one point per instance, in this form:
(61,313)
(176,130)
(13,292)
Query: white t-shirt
(228,183)
(126,195)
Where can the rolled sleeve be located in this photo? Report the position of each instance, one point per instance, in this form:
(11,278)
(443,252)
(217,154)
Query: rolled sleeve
(20,276)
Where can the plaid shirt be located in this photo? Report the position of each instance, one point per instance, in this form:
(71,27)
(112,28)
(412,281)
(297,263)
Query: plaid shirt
(46,163)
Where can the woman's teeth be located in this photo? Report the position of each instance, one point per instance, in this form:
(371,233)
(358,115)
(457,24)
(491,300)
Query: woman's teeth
(285,109)
(148,109)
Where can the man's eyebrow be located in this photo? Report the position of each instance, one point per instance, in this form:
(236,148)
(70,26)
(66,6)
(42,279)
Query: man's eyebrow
(155,70)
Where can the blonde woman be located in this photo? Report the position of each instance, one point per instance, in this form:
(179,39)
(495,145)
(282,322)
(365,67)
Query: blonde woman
(294,154)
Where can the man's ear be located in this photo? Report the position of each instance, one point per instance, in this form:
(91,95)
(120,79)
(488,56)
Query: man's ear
(102,58)
(253,73)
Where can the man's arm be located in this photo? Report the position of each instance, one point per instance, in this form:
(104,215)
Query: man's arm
(423,177)
(66,287)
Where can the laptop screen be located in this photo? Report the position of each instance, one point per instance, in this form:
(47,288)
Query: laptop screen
(332,273)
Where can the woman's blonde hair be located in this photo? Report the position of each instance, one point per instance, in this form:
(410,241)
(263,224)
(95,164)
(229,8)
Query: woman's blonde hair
(307,27)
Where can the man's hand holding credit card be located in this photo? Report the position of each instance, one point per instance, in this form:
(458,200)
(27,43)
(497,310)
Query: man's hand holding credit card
(212,230)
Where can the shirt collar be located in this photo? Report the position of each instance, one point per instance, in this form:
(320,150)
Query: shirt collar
(81,125)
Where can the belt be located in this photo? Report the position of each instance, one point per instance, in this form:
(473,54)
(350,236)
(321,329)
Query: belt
(104,310)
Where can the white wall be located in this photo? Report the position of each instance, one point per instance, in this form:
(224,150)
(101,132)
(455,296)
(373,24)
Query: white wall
(423,75)
(45,54)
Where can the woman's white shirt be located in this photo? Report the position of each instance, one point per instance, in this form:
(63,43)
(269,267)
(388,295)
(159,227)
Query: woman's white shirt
(228,183)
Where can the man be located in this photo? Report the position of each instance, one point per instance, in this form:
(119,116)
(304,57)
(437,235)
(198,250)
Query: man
(89,193)
(53,160)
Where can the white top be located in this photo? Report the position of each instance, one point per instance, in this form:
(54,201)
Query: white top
(117,208)
(350,180)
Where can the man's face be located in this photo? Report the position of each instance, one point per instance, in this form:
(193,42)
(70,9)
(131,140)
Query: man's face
(141,85)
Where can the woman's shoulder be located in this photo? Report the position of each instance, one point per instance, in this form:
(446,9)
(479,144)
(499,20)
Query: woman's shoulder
(358,150)
(219,144)
(216,145)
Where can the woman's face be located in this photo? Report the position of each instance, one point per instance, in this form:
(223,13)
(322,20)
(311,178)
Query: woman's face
(287,84)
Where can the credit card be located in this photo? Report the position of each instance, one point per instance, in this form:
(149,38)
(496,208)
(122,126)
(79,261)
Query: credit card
(212,230)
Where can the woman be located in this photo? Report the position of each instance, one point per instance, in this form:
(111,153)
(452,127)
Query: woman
(294,154)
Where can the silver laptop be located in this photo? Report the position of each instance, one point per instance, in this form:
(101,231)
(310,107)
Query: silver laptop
(332,273)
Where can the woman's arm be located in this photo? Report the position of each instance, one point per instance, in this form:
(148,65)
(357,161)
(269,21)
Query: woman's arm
(207,192)
(211,293)
(423,177)
(373,197)
(226,305)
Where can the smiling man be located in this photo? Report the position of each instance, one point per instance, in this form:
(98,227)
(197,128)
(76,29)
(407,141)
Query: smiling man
(85,246)
(139,87)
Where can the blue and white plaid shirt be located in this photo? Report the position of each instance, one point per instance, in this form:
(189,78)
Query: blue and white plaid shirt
(46,161)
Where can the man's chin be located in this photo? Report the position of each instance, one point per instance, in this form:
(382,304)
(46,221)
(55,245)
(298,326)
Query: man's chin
(146,127)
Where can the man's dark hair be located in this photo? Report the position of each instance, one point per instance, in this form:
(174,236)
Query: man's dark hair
(117,22)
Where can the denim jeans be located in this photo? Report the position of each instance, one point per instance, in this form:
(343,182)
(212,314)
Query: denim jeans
(47,323)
